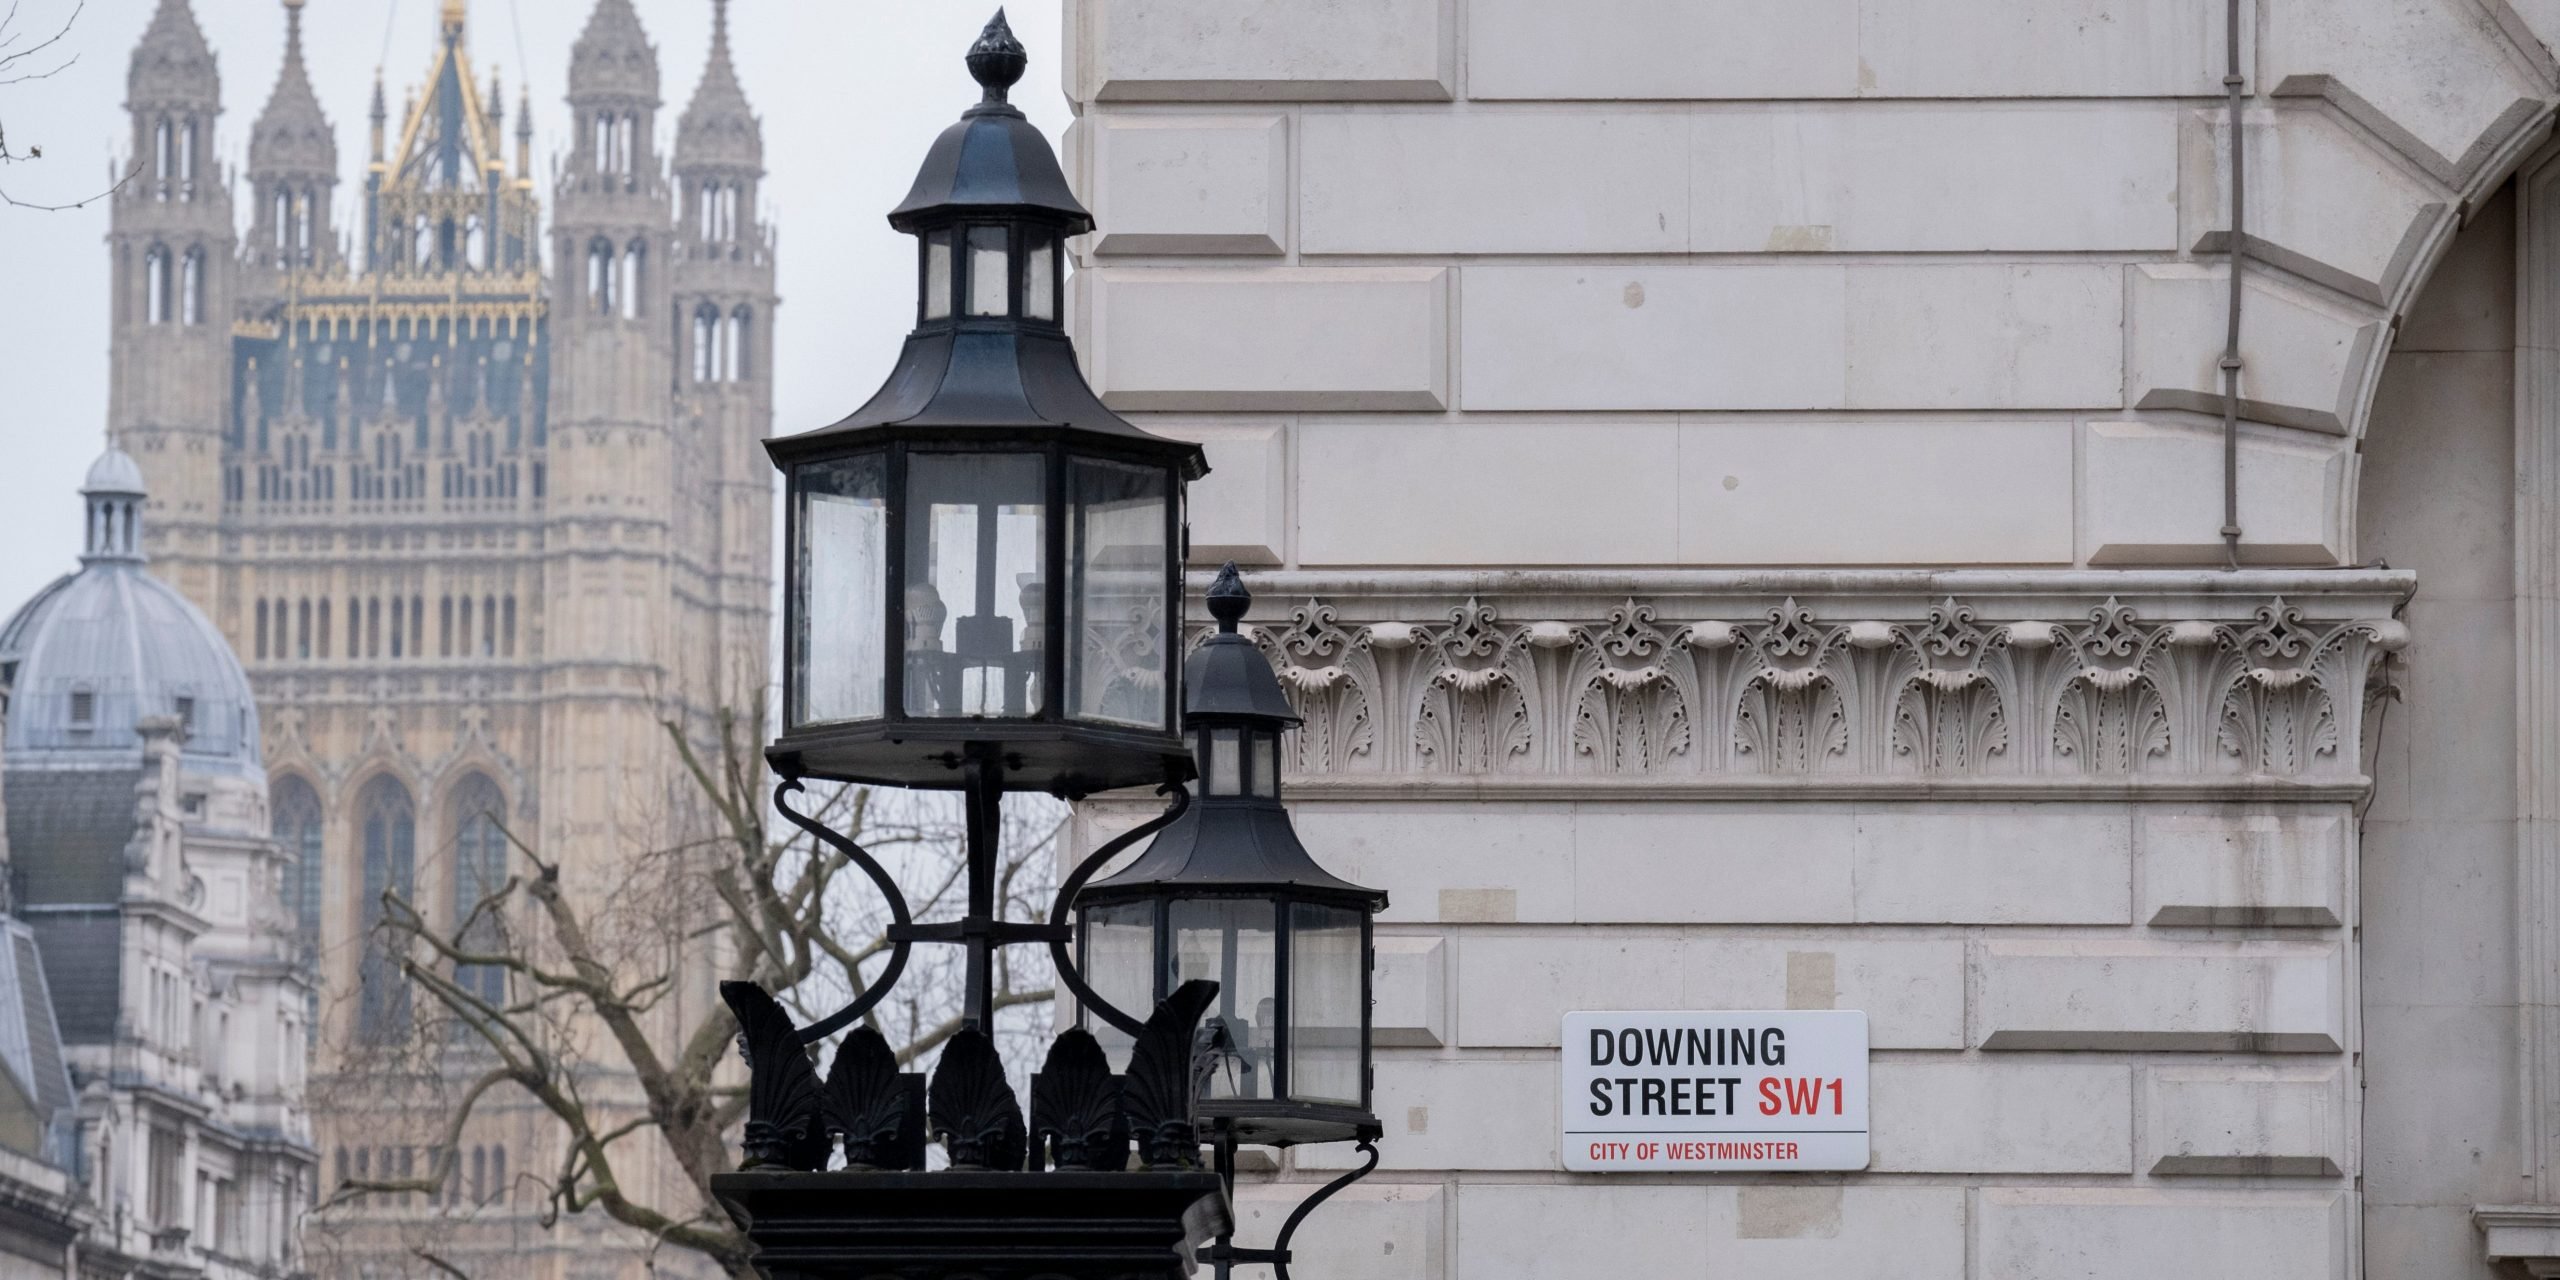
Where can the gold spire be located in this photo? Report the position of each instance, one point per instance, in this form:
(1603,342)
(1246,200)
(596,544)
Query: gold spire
(453,14)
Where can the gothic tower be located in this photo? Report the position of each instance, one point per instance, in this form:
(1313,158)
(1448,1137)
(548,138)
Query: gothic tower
(467,517)
(171,241)
(722,308)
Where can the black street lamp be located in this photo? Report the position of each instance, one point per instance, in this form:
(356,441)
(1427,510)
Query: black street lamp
(1228,893)
(983,593)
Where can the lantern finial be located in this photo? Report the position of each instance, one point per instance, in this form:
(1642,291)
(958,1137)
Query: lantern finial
(1228,599)
(997,59)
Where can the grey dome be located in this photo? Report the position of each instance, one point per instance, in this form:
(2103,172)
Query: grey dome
(102,649)
(115,471)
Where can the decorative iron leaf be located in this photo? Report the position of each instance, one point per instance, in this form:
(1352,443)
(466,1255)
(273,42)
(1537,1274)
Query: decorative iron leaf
(1075,1108)
(1160,1089)
(975,1114)
(876,1108)
(785,1126)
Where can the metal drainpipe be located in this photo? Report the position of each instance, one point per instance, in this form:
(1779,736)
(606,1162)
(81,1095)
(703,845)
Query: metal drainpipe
(2231,84)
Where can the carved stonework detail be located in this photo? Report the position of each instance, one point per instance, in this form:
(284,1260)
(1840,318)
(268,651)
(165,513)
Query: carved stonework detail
(1634,687)
(1792,717)
(1331,677)
(1948,716)
(1936,688)
(1477,698)
(2111,718)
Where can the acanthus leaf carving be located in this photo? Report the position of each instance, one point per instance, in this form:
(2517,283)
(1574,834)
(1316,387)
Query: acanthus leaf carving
(1478,697)
(1634,687)
(1331,677)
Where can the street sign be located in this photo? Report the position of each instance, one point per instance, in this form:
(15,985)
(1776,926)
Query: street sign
(1699,1091)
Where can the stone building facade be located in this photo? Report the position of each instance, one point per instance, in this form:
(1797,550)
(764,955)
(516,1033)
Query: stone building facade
(154,1021)
(1741,497)
(473,489)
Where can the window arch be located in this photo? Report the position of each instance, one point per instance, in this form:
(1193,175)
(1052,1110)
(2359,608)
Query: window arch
(600,275)
(741,329)
(155,284)
(635,259)
(297,825)
(191,288)
(479,870)
(706,209)
(390,831)
(604,142)
(283,218)
(706,343)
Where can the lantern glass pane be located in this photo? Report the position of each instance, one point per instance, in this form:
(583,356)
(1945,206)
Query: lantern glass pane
(1230,942)
(937,275)
(1120,966)
(1264,768)
(1225,764)
(842,561)
(989,286)
(974,606)
(1118,669)
(1040,280)
(1326,968)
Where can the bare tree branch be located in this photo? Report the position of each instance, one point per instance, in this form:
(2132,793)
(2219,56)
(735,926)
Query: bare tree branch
(583,1026)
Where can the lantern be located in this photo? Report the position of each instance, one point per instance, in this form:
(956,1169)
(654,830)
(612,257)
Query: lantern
(984,562)
(1228,893)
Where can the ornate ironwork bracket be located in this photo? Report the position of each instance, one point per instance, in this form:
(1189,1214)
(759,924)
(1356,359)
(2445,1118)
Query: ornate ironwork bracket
(898,914)
(1061,933)
(1225,1255)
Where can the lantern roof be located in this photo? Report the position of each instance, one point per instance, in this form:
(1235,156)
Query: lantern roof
(993,160)
(1235,844)
(975,377)
(1232,846)
(1227,675)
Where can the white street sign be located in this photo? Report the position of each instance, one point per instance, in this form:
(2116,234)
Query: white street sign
(1669,1091)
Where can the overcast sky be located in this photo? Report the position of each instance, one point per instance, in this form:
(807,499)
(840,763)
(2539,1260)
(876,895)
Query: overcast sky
(851,94)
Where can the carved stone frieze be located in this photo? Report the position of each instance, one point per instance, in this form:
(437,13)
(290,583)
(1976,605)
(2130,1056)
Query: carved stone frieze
(2213,679)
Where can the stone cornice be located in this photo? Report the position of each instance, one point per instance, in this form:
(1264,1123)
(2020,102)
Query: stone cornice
(1814,684)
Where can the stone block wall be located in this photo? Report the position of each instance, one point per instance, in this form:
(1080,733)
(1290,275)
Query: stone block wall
(1736,491)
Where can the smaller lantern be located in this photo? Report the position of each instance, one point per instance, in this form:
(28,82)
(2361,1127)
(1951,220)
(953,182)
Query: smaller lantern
(1228,893)
(984,561)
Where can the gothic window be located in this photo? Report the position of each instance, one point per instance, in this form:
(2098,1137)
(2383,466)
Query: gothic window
(302,227)
(488,626)
(283,218)
(509,648)
(634,259)
(373,627)
(156,284)
(302,626)
(323,626)
(741,321)
(187,157)
(498,1173)
(422,243)
(297,827)
(622,140)
(396,629)
(706,343)
(600,276)
(390,866)
(466,626)
(479,1175)
(191,288)
(706,211)
(604,142)
(479,870)
(474,242)
(262,629)
(444,628)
